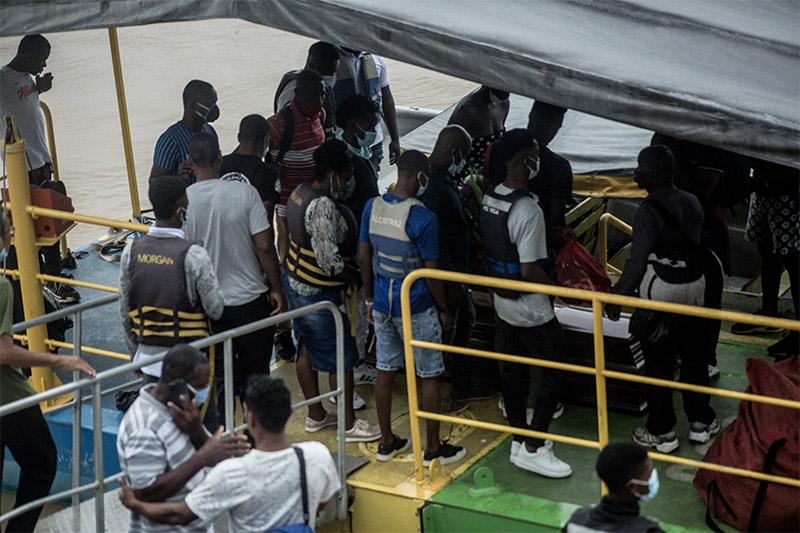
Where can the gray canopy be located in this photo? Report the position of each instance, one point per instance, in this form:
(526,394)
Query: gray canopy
(724,73)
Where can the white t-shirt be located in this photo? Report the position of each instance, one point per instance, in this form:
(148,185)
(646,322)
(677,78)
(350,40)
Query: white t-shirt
(222,217)
(383,78)
(19,98)
(527,231)
(261,490)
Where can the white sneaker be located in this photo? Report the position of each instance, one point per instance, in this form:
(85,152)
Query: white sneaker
(362,431)
(312,426)
(358,402)
(364,374)
(543,462)
(515,446)
(702,433)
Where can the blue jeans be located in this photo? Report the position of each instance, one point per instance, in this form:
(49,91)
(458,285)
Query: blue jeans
(317,331)
(389,337)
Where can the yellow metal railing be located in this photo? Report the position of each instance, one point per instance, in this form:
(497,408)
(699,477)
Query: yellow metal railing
(599,371)
(602,238)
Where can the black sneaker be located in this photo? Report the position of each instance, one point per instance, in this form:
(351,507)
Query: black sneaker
(786,347)
(62,293)
(398,445)
(446,454)
(284,346)
(740,328)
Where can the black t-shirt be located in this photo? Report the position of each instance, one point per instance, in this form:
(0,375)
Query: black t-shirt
(261,176)
(443,199)
(366,186)
(553,186)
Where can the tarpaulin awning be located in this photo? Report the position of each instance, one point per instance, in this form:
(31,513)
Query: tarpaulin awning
(724,73)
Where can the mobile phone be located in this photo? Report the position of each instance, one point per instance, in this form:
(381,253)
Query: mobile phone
(177,389)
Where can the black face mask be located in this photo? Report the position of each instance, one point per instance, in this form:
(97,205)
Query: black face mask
(209,114)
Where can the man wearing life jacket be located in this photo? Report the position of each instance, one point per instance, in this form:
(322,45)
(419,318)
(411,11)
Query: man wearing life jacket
(363,73)
(320,265)
(513,232)
(168,287)
(399,235)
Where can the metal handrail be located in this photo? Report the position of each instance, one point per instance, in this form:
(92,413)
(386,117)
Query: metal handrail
(599,370)
(602,238)
(226,337)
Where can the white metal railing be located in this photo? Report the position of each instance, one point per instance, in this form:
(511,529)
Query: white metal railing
(100,482)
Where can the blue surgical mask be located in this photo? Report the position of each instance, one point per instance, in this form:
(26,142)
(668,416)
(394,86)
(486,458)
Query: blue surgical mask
(652,485)
(3,255)
(456,168)
(201,395)
(422,188)
(364,152)
(368,139)
(329,81)
(533,170)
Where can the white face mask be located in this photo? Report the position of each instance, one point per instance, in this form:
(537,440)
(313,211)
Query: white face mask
(456,168)
(533,169)
(329,81)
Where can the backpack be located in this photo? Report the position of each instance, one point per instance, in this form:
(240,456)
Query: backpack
(304,527)
(675,271)
(762,438)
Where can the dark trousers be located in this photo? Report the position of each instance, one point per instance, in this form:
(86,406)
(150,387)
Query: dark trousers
(712,299)
(28,439)
(542,342)
(49,256)
(251,353)
(461,367)
(673,337)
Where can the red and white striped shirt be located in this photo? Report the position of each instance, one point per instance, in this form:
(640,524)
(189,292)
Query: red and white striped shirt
(298,163)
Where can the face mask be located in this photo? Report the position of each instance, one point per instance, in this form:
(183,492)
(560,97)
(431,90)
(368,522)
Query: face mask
(209,114)
(533,170)
(329,81)
(3,255)
(456,168)
(652,486)
(368,139)
(422,188)
(364,152)
(201,395)
(183,214)
(336,193)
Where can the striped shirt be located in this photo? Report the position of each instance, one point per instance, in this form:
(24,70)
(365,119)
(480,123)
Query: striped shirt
(172,147)
(298,163)
(150,444)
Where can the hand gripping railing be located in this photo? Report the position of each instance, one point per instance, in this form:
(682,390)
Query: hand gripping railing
(599,370)
(226,338)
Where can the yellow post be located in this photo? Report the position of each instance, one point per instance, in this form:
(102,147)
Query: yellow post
(600,380)
(411,381)
(51,143)
(27,257)
(122,104)
(602,241)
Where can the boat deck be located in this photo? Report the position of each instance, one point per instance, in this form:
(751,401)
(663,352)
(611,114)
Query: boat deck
(388,499)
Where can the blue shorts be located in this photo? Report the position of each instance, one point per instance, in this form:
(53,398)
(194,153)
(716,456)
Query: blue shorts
(317,331)
(389,338)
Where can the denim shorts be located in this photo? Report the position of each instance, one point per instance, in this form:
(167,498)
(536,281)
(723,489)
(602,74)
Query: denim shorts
(317,331)
(389,338)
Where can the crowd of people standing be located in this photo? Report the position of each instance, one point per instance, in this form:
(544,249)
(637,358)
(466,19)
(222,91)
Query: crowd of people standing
(294,216)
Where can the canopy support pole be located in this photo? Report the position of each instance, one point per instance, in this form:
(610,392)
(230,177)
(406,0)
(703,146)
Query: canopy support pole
(124,123)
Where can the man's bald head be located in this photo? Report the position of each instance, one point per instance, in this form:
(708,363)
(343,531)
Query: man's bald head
(452,145)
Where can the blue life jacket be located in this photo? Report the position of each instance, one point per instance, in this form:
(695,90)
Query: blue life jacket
(394,254)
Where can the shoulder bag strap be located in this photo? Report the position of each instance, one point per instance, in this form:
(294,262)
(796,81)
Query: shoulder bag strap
(303,484)
(288,132)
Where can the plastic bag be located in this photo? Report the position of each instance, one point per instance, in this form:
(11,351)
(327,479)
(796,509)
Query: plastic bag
(576,268)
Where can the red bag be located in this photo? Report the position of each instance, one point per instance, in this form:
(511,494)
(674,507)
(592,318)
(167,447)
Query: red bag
(763,438)
(576,268)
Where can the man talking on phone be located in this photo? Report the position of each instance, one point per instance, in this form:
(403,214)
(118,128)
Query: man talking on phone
(162,445)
